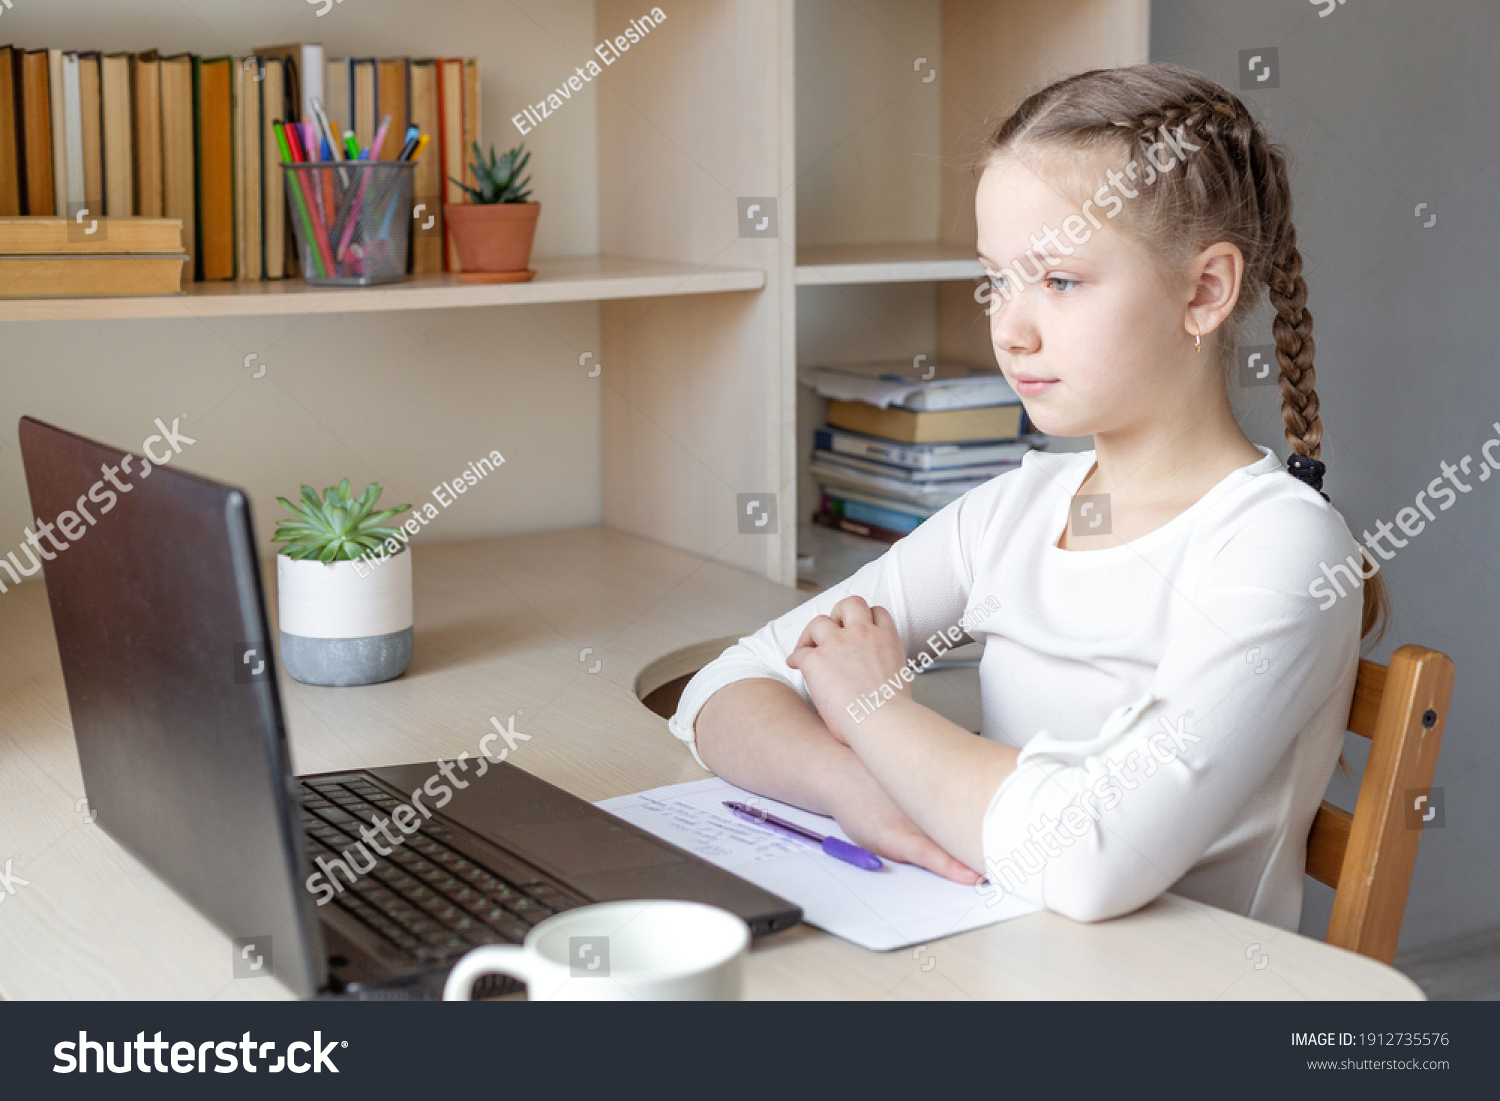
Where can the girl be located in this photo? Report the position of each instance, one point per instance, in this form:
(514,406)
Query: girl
(1163,700)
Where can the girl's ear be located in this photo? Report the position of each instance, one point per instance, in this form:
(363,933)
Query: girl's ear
(1217,274)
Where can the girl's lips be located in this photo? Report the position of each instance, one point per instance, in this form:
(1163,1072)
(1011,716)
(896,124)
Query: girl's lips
(1032,388)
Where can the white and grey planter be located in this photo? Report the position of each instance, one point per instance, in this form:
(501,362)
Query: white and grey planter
(340,629)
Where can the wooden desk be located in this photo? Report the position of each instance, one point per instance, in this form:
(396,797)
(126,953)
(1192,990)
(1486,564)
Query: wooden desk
(501,625)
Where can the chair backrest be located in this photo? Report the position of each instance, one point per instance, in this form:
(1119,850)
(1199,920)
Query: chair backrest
(1367,857)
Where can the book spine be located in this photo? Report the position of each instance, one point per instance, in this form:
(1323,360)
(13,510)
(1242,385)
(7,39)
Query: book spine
(57,115)
(197,124)
(868,466)
(833,440)
(75,190)
(835,488)
(869,497)
(12,138)
(863,513)
(867,531)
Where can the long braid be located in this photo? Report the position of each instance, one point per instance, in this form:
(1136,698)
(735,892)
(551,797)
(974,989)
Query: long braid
(1295,347)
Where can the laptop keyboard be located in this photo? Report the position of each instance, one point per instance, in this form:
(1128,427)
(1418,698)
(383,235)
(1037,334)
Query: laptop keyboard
(426,898)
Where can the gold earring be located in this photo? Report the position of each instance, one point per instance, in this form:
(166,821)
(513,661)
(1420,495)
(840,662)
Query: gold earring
(1197,342)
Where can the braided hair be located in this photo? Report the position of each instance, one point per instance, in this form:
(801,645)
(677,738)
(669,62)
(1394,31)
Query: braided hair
(1232,185)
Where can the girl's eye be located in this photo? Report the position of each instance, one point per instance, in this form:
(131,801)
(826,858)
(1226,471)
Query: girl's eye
(996,281)
(1061,285)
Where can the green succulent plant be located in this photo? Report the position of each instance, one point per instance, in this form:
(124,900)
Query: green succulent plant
(336,527)
(498,178)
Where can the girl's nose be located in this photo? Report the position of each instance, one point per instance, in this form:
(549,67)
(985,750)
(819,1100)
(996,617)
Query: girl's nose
(1012,330)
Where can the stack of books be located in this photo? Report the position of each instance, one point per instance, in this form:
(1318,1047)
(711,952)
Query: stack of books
(898,447)
(56,258)
(191,138)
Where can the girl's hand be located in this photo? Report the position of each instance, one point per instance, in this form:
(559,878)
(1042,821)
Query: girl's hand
(848,654)
(873,821)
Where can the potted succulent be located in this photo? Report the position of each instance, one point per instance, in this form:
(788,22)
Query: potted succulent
(342,621)
(492,233)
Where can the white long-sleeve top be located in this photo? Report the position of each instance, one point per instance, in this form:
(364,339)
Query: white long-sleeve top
(1183,692)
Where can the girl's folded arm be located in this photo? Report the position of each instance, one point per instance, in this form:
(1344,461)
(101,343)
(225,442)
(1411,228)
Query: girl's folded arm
(924,581)
(1119,818)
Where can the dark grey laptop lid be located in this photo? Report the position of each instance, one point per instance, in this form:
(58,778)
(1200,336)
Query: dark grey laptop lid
(161,630)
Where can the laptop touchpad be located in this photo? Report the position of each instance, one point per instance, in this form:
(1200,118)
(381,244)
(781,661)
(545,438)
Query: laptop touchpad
(586,846)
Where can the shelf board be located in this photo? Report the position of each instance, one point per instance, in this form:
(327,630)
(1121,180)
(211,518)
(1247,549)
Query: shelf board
(584,279)
(894,263)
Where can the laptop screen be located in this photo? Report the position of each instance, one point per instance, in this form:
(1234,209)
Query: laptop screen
(156,601)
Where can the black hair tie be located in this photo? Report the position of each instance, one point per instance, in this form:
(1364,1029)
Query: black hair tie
(1309,471)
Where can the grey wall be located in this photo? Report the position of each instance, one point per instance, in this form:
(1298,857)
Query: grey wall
(1385,104)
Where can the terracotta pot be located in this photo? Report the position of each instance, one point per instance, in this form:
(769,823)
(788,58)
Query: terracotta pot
(492,237)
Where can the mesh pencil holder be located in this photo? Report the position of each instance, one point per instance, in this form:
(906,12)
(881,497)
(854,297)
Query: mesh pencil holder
(352,219)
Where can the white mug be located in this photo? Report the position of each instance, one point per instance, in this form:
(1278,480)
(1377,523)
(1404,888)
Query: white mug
(657,950)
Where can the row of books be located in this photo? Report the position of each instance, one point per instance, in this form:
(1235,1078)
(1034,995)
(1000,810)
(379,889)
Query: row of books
(190,137)
(898,447)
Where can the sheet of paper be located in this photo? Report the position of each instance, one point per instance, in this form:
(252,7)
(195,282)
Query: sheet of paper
(894,908)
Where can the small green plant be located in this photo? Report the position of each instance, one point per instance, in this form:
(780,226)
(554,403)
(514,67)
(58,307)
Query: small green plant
(497,179)
(336,527)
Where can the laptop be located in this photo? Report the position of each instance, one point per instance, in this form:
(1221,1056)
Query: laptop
(161,625)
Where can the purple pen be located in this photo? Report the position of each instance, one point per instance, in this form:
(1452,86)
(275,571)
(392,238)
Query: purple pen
(840,850)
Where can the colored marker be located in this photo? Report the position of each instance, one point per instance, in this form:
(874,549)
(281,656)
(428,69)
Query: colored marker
(412,134)
(285,143)
(374,151)
(338,137)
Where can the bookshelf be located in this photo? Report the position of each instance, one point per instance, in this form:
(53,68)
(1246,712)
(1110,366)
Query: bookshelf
(908,262)
(641,381)
(824,106)
(894,101)
(588,279)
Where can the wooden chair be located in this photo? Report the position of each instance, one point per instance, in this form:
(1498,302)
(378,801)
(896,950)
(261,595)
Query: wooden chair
(1367,857)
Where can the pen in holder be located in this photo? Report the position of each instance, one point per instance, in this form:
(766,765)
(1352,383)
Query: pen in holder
(352,219)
